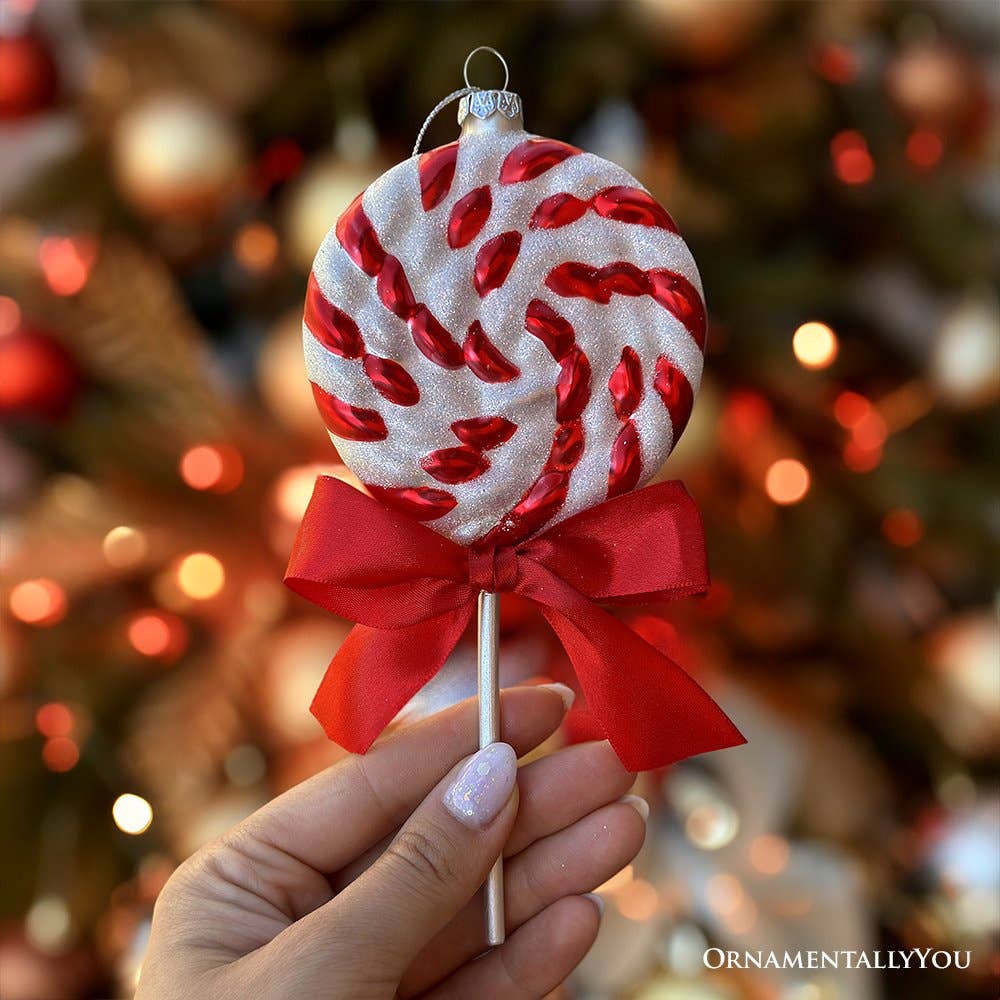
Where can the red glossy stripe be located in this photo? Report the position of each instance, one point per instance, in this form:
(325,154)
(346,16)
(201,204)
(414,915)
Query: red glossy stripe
(468,216)
(559,210)
(567,447)
(675,391)
(494,261)
(391,380)
(484,358)
(555,332)
(352,422)
(436,169)
(394,288)
(675,293)
(632,205)
(573,385)
(331,326)
(433,340)
(626,461)
(625,384)
(532,158)
(539,505)
(357,236)
(484,433)
(455,465)
(423,503)
(680,297)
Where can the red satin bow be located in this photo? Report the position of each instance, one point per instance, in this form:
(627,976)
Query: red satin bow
(413,592)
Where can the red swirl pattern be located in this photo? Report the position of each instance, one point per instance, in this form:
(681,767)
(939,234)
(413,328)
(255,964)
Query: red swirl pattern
(494,262)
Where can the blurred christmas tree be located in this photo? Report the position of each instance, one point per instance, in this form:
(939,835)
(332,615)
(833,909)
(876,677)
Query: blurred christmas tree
(170,169)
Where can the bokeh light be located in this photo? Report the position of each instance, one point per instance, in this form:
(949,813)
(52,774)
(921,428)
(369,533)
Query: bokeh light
(54,719)
(852,162)
(132,813)
(786,481)
(638,901)
(10,315)
(769,854)
(815,345)
(924,148)
(157,634)
(902,527)
(124,546)
(712,825)
(850,408)
(38,602)
(65,263)
(200,575)
(218,468)
(256,246)
(60,754)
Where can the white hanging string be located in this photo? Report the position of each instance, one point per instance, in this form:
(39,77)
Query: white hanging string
(438,108)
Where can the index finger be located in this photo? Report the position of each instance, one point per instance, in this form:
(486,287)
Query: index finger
(328,820)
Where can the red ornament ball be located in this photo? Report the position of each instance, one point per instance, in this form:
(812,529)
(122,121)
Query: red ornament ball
(38,376)
(28,78)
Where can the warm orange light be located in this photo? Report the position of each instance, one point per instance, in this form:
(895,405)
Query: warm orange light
(60,754)
(618,881)
(638,901)
(769,854)
(786,481)
(201,467)
(124,546)
(860,459)
(65,263)
(870,431)
(256,246)
(157,633)
(924,148)
(200,575)
(212,467)
(38,602)
(852,162)
(10,315)
(742,919)
(815,345)
(725,893)
(850,408)
(54,719)
(903,527)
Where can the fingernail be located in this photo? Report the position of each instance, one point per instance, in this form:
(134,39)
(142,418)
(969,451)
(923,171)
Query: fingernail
(596,900)
(566,693)
(638,803)
(483,785)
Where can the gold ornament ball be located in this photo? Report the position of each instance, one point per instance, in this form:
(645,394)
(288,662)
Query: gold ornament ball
(279,375)
(174,153)
(328,185)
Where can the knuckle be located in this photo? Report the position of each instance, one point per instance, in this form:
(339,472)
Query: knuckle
(427,856)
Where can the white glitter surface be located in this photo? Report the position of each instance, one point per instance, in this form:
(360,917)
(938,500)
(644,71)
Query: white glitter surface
(441,278)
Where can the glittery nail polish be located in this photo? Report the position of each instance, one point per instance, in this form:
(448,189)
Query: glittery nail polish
(483,785)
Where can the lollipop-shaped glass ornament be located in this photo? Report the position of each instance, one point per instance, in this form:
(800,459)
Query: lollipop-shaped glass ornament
(504,338)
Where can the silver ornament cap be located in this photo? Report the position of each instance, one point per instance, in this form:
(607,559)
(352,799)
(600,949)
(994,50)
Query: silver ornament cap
(488,110)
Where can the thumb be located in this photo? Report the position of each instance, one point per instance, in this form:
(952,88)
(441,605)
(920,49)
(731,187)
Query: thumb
(433,866)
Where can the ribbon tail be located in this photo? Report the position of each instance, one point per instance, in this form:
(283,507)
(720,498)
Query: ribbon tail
(377,671)
(650,710)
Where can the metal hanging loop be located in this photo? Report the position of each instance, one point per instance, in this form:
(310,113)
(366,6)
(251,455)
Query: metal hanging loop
(485,48)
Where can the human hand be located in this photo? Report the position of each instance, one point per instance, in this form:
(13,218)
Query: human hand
(362,882)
